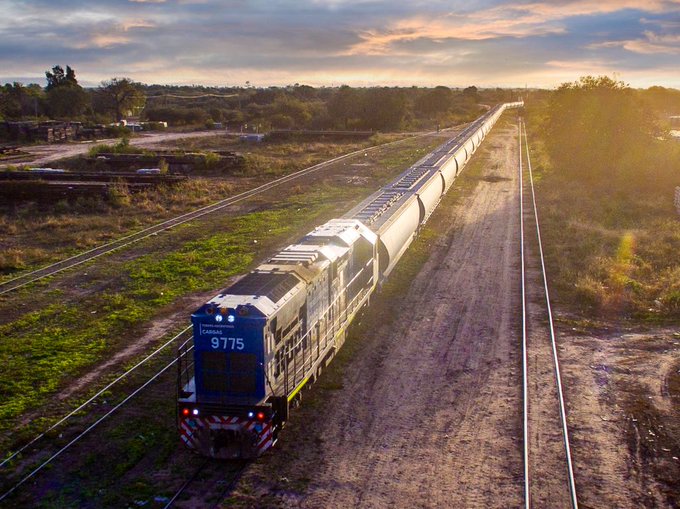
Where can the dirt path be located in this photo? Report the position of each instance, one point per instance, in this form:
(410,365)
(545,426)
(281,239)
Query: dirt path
(43,154)
(624,415)
(428,415)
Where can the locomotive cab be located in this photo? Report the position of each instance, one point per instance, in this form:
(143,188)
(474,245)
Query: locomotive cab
(224,406)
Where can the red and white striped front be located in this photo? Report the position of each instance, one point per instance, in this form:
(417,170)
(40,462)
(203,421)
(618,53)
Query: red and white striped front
(226,437)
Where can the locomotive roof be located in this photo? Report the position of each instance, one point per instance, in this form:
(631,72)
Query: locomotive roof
(273,283)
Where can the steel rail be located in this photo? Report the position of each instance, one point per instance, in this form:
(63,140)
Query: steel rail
(232,477)
(186,483)
(91,427)
(525,388)
(86,403)
(81,258)
(553,342)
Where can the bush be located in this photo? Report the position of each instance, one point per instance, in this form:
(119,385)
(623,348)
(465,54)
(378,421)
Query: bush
(122,147)
(611,233)
(119,195)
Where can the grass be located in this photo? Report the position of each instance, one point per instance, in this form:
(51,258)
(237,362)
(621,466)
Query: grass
(611,255)
(43,348)
(122,147)
(37,234)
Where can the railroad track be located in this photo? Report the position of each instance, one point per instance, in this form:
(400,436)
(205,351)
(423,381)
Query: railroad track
(541,381)
(128,240)
(185,334)
(209,483)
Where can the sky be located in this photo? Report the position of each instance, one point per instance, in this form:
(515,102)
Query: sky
(486,43)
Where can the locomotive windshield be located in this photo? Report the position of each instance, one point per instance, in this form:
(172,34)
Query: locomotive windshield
(229,373)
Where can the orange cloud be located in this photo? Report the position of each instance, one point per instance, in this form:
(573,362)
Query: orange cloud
(521,20)
(114,35)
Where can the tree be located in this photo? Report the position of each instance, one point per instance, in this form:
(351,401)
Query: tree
(384,108)
(67,102)
(344,105)
(436,102)
(472,93)
(597,128)
(59,78)
(122,96)
(293,109)
(65,97)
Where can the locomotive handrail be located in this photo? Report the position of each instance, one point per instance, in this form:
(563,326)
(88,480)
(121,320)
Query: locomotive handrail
(331,330)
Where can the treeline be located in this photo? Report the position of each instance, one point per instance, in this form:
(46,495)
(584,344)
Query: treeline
(608,134)
(305,107)
(292,107)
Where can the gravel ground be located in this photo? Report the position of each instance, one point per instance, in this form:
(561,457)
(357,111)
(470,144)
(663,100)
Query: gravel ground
(42,154)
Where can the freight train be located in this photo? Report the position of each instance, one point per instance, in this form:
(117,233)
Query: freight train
(259,342)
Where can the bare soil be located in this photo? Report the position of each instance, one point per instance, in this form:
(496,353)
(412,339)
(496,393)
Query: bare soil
(624,412)
(42,154)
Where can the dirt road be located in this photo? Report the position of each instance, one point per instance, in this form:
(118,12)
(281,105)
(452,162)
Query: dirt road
(428,413)
(43,154)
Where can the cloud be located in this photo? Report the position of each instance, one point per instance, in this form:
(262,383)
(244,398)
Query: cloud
(515,20)
(651,44)
(454,42)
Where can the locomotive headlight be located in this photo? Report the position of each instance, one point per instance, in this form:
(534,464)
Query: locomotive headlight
(218,318)
(251,415)
(195,411)
(231,318)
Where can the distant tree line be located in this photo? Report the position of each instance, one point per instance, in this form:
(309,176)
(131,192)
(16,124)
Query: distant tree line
(292,107)
(304,107)
(249,108)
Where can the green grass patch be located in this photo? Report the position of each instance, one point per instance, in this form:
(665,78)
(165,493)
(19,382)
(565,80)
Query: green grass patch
(43,349)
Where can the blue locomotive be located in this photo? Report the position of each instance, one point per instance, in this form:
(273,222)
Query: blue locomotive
(256,344)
